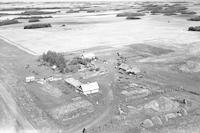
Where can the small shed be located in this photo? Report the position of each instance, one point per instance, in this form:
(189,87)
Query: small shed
(73,82)
(54,67)
(49,78)
(30,79)
(129,69)
(90,88)
(133,70)
(88,56)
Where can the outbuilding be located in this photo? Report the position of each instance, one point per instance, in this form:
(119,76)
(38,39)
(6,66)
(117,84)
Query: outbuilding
(90,56)
(133,70)
(90,88)
(124,67)
(30,79)
(73,82)
(129,69)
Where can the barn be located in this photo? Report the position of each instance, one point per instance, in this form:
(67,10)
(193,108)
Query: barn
(90,88)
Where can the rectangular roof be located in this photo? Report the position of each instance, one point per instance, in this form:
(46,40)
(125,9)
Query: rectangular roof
(90,86)
(74,82)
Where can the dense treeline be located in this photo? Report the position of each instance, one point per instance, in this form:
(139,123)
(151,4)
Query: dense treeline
(34,17)
(35,26)
(33,20)
(8,22)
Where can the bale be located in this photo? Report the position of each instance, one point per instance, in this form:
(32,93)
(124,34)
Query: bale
(33,20)
(9,22)
(34,26)
(194,28)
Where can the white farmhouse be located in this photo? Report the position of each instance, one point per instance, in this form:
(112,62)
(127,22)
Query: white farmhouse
(90,88)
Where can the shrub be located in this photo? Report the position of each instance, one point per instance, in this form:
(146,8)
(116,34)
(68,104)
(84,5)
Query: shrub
(125,14)
(195,28)
(33,20)
(35,12)
(78,60)
(54,58)
(169,14)
(34,17)
(166,9)
(188,12)
(34,26)
(72,11)
(132,17)
(8,22)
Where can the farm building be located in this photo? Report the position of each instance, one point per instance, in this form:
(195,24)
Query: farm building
(129,69)
(30,79)
(73,82)
(54,67)
(133,70)
(124,67)
(90,88)
(88,56)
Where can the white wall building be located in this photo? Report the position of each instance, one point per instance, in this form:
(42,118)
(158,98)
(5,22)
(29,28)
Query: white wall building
(88,56)
(90,88)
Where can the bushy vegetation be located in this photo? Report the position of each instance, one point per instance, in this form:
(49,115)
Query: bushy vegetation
(34,17)
(169,14)
(54,58)
(72,11)
(33,20)
(197,18)
(132,17)
(125,14)
(8,22)
(79,60)
(36,12)
(165,9)
(188,12)
(34,26)
(195,28)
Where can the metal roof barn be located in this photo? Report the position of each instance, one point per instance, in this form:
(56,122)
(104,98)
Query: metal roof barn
(90,88)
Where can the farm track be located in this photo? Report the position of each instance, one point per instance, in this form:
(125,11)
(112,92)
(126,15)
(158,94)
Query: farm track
(18,45)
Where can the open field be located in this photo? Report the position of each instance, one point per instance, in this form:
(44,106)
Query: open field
(78,27)
(147,70)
